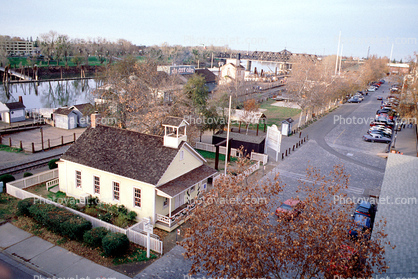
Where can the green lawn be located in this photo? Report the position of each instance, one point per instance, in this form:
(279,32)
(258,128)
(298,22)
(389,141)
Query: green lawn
(9,149)
(8,206)
(274,114)
(211,155)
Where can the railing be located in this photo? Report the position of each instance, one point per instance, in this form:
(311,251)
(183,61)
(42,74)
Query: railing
(259,157)
(52,183)
(35,179)
(174,219)
(211,148)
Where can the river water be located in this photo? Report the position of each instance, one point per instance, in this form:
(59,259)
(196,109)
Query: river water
(50,94)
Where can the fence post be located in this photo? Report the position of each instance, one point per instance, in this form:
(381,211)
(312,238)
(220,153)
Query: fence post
(74,137)
(1,140)
(286,152)
(49,144)
(293,149)
(282,156)
(33,147)
(10,142)
(62,140)
(289,150)
(21,145)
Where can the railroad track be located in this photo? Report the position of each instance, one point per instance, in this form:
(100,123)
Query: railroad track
(29,165)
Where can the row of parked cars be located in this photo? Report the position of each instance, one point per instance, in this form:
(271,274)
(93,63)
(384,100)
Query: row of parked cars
(358,97)
(381,129)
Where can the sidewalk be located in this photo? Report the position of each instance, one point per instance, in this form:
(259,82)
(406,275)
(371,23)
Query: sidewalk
(406,141)
(48,258)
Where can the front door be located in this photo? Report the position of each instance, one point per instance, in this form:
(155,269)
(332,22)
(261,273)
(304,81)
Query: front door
(179,200)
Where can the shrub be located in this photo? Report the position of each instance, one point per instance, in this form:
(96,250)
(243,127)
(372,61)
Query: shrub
(95,236)
(131,215)
(5,178)
(23,206)
(53,164)
(27,174)
(121,221)
(91,211)
(115,244)
(60,220)
(122,209)
(107,217)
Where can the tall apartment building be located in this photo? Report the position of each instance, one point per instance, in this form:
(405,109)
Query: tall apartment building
(16,46)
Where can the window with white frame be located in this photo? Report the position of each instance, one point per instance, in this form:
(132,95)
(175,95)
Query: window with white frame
(116,190)
(97,185)
(165,202)
(78,179)
(181,155)
(137,197)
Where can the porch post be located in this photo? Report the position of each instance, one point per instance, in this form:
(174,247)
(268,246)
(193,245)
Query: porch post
(169,212)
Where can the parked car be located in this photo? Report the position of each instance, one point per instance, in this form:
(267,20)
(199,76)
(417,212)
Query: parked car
(382,81)
(359,96)
(366,208)
(361,223)
(290,208)
(376,138)
(377,123)
(379,98)
(382,129)
(354,100)
(378,132)
(371,89)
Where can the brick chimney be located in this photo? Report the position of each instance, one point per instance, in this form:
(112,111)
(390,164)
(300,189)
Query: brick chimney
(95,119)
(20,99)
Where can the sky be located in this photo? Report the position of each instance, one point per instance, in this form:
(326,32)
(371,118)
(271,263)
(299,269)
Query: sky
(300,26)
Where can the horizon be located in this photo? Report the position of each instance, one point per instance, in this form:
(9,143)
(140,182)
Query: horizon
(302,27)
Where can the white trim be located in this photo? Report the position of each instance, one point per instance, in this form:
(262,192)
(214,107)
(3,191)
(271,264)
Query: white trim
(166,195)
(133,196)
(113,191)
(94,185)
(81,179)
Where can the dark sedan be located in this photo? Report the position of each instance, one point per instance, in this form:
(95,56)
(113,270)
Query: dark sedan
(376,138)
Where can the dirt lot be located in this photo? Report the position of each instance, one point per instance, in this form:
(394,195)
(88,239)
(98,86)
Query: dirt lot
(53,134)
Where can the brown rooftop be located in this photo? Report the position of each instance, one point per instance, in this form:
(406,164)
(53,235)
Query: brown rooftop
(63,111)
(15,105)
(172,121)
(127,153)
(178,185)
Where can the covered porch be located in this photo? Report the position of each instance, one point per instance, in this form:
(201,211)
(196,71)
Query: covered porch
(176,199)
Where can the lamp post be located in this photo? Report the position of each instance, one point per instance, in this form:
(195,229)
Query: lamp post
(42,138)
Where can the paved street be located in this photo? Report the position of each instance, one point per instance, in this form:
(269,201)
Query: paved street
(334,139)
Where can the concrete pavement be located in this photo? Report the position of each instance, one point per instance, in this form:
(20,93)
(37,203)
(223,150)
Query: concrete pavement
(48,258)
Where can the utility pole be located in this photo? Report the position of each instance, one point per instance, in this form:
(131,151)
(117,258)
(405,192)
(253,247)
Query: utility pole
(338,51)
(227,134)
(341,56)
(368,52)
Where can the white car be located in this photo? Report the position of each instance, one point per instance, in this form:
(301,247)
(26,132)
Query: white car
(371,89)
(381,128)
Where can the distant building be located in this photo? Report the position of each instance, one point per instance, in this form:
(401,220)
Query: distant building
(16,46)
(83,112)
(232,71)
(398,68)
(12,112)
(65,118)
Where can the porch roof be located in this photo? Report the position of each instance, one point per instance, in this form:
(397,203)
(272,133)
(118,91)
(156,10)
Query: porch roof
(182,183)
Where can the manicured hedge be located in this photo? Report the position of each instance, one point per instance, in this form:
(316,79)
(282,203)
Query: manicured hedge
(115,244)
(23,206)
(27,174)
(60,220)
(53,164)
(95,236)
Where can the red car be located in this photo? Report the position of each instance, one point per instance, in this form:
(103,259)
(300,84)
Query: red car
(291,208)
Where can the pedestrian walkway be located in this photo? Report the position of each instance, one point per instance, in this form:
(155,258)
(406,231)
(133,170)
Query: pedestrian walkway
(49,258)
(172,265)
(406,141)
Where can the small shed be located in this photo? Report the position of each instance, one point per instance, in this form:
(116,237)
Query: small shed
(250,143)
(12,112)
(65,118)
(83,112)
(287,127)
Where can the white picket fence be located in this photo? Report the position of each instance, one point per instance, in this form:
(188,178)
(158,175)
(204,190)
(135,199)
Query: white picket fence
(234,152)
(260,157)
(15,189)
(211,148)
